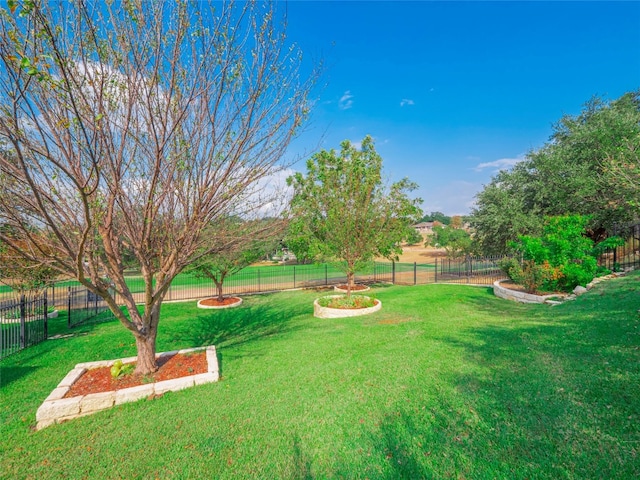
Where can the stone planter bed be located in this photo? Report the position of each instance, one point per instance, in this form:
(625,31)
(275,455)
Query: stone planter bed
(57,409)
(328,312)
(520,296)
(228,302)
(502,289)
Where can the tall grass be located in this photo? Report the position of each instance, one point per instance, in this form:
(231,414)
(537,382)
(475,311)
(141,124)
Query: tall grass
(445,382)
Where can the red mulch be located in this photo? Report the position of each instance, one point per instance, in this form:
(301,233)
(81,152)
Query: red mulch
(98,380)
(355,288)
(214,302)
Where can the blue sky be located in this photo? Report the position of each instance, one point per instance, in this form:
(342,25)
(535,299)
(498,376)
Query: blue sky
(452,91)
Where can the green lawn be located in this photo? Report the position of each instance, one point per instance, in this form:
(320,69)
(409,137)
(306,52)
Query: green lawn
(445,382)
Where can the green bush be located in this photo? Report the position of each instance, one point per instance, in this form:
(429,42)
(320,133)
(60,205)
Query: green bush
(532,276)
(560,259)
(510,266)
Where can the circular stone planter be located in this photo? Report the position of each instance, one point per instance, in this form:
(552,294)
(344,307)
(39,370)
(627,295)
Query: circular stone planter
(356,288)
(327,312)
(202,303)
(53,314)
(517,296)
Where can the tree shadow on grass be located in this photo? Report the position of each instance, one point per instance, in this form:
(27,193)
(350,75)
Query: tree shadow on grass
(17,365)
(9,374)
(301,461)
(237,326)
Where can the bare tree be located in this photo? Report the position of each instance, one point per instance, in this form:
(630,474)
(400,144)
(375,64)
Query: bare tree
(135,125)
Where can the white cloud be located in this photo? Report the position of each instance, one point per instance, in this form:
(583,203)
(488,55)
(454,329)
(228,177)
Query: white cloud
(406,101)
(346,101)
(500,164)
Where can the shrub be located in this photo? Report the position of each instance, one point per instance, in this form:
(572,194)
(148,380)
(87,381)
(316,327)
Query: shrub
(531,275)
(509,265)
(560,259)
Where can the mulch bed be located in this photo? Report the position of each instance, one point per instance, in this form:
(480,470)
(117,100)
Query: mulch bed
(98,380)
(355,288)
(214,302)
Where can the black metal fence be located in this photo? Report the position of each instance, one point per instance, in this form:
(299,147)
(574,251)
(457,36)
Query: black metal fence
(267,279)
(84,306)
(627,255)
(468,270)
(464,270)
(23,322)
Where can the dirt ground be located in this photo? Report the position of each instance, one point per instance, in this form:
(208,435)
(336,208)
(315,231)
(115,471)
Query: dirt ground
(420,254)
(410,254)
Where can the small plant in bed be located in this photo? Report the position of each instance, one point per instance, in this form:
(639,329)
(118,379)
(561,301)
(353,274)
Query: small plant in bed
(345,302)
(120,370)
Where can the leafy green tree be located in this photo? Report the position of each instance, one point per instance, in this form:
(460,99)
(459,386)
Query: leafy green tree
(622,164)
(504,211)
(345,213)
(413,237)
(576,173)
(436,217)
(455,241)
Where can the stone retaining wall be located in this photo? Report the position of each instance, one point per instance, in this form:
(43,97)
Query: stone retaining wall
(57,409)
(516,296)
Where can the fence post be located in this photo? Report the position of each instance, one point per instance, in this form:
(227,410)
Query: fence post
(294,276)
(415,273)
(46,315)
(259,280)
(68,307)
(23,315)
(435,280)
(393,272)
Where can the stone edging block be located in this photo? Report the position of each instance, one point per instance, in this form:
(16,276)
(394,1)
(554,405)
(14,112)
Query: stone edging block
(326,312)
(522,297)
(56,409)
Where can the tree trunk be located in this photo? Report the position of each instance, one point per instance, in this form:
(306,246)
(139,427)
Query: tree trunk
(146,346)
(219,289)
(350,282)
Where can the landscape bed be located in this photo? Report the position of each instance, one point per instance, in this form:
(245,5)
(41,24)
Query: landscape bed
(445,382)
